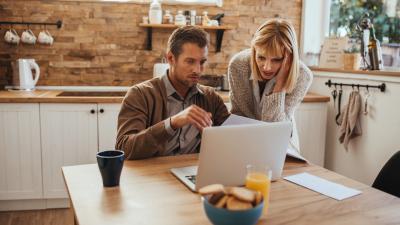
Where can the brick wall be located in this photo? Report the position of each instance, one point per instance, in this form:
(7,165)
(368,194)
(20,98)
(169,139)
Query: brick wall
(101,43)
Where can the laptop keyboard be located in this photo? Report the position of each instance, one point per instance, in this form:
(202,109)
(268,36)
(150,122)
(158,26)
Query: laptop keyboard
(192,178)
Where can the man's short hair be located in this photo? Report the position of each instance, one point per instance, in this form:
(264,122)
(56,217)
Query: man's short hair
(186,34)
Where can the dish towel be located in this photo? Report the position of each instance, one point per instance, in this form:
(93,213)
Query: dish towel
(350,126)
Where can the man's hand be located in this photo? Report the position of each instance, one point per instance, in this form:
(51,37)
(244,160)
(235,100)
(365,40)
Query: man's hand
(192,115)
(283,73)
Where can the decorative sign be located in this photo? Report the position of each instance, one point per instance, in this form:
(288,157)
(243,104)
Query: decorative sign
(332,53)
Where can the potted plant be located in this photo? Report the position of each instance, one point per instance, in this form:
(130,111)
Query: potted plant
(352,58)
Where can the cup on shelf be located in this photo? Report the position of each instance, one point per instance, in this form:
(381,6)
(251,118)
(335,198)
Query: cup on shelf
(11,36)
(110,163)
(45,37)
(28,37)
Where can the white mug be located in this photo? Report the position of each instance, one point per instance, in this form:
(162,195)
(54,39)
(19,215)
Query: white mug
(45,38)
(28,37)
(12,37)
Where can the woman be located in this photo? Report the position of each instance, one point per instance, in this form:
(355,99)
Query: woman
(268,81)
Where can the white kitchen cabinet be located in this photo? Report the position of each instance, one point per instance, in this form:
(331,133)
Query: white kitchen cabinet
(107,125)
(311,120)
(36,140)
(69,137)
(20,154)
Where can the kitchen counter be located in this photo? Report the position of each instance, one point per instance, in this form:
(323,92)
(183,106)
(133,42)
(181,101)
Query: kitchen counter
(51,96)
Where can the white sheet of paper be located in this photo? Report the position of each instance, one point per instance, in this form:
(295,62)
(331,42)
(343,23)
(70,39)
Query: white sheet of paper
(295,154)
(239,120)
(325,187)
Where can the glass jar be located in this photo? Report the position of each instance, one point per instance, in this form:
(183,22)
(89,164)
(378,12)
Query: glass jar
(155,13)
(198,20)
(168,18)
(192,17)
(180,19)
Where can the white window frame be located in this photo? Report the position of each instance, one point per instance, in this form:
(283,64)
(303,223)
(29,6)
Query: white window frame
(314,25)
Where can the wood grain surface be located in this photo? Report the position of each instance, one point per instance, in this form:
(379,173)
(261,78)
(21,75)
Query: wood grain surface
(42,96)
(150,194)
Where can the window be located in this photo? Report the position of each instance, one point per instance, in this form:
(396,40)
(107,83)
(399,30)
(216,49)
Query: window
(322,18)
(384,14)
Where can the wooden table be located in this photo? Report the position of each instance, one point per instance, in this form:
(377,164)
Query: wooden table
(150,194)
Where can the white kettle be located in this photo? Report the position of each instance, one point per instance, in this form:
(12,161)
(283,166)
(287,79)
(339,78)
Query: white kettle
(26,80)
(160,69)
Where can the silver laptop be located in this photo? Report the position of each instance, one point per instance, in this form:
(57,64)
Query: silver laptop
(226,150)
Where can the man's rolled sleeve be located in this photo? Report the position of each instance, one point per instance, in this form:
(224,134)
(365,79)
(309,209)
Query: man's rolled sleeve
(168,126)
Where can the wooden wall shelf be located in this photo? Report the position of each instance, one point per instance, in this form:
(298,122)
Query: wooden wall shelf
(219,35)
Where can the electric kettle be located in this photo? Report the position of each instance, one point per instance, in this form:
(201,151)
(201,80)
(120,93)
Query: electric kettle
(26,80)
(160,69)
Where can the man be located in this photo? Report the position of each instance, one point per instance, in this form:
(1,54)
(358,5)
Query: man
(165,115)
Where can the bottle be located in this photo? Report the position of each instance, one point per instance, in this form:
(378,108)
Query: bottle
(155,13)
(205,19)
(167,18)
(199,20)
(374,51)
(186,13)
(180,19)
(192,17)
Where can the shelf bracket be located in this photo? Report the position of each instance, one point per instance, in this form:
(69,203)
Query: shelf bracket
(149,38)
(218,43)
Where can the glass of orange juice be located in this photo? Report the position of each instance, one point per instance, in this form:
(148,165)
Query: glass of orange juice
(258,178)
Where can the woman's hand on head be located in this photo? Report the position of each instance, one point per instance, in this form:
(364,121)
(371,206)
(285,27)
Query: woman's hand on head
(283,73)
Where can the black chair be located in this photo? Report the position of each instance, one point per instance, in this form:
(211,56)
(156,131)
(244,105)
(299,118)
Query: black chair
(388,179)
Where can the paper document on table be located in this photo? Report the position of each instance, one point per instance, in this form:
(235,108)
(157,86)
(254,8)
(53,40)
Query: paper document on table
(295,154)
(240,120)
(325,187)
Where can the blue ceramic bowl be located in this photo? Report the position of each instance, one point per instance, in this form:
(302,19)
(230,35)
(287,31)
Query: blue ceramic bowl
(219,216)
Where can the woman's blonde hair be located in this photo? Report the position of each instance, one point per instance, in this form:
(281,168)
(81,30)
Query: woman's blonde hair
(276,36)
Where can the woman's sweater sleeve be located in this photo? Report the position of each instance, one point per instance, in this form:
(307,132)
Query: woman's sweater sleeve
(238,74)
(281,106)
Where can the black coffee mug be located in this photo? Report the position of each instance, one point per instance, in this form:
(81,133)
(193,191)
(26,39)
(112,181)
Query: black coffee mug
(110,164)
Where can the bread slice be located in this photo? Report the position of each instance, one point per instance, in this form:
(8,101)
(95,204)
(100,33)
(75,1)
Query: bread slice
(243,194)
(211,189)
(236,204)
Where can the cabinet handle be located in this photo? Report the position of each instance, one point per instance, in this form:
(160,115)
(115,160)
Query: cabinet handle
(92,111)
(101,110)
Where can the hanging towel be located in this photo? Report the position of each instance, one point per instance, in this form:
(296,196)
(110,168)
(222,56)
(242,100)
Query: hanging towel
(350,126)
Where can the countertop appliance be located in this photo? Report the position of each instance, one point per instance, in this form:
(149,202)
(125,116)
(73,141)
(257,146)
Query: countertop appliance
(160,69)
(24,69)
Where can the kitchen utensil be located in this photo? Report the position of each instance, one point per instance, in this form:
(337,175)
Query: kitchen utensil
(45,38)
(12,37)
(28,37)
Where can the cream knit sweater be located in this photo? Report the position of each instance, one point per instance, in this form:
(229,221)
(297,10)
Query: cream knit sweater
(271,107)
